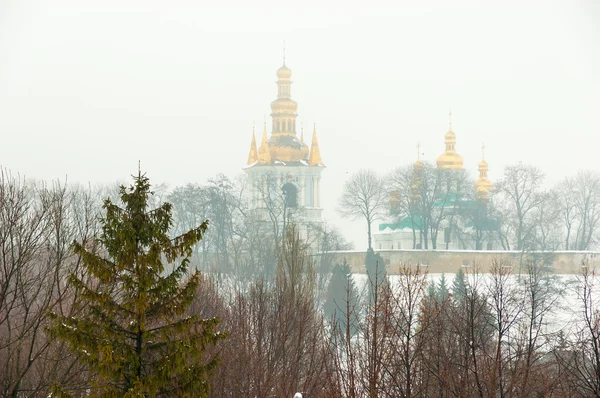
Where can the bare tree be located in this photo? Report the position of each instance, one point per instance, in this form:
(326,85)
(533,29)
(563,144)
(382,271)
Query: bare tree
(521,186)
(506,309)
(37,224)
(547,233)
(568,212)
(579,357)
(540,292)
(376,335)
(277,343)
(586,193)
(403,373)
(363,196)
(429,197)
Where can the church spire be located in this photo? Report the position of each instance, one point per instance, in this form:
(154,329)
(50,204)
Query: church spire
(483,185)
(284,108)
(418,163)
(253,155)
(264,153)
(450,159)
(315,154)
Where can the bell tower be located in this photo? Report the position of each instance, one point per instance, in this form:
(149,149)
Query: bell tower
(283,171)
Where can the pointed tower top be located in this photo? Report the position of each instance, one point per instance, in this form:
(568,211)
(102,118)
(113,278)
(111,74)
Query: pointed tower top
(264,154)
(302,132)
(284,74)
(450,159)
(483,185)
(253,155)
(418,163)
(315,154)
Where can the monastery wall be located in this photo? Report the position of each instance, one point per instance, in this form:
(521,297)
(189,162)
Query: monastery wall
(442,261)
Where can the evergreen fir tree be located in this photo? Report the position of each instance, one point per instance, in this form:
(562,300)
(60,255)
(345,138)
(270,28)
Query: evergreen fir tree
(459,285)
(341,291)
(432,293)
(442,292)
(134,330)
(375,266)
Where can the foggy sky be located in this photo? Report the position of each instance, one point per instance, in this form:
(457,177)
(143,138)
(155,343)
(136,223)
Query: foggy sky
(88,88)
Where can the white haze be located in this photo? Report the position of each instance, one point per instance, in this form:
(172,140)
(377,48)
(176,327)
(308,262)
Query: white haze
(88,88)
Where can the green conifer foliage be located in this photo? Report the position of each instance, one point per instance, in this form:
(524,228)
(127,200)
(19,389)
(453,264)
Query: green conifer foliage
(459,285)
(342,296)
(134,330)
(443,292)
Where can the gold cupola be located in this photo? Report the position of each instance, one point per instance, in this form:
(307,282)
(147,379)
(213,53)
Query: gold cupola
(284,145)
(450,159)
(483,185)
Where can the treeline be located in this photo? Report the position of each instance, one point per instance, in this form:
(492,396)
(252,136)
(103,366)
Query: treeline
(519,213)
(240,238)
(307,326)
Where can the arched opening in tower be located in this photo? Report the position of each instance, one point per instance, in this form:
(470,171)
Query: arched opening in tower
(290,194)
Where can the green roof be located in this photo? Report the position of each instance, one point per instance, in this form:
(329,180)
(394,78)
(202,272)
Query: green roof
(406,222)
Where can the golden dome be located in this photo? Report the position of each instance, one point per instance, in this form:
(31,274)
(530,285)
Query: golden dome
(450,159)
(284,73)
(284,146)
(450,136)
(483,165)
(483,185)
(287,149)
(418,163)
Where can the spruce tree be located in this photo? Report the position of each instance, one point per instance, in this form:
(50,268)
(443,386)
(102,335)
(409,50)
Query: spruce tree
(342,296)
(443,292)
(134,330)
(459,286)
(375,267)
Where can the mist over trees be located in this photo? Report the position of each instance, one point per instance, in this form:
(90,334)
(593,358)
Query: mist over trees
(295,322)
(521,213)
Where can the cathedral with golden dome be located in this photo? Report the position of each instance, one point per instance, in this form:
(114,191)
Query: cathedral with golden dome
(449,217)
(284,169)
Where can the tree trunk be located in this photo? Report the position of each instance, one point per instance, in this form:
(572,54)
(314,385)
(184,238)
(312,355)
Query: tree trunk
(369,232)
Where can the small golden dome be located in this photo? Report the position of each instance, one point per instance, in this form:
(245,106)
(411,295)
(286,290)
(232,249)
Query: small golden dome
(483,185)
(284,72)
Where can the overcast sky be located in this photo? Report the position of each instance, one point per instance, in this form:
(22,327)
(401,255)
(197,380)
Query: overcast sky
(89,87)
